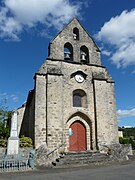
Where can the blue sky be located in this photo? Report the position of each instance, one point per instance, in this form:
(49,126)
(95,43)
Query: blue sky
(27,27)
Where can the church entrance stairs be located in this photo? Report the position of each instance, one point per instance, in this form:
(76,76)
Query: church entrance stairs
(76,159)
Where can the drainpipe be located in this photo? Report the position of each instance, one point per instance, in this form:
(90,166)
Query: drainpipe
(95,114)
(46,108)
(62,110)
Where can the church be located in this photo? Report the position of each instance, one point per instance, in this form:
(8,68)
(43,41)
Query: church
(73,102)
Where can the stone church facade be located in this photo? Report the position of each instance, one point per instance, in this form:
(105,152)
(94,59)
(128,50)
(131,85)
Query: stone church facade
(73,102)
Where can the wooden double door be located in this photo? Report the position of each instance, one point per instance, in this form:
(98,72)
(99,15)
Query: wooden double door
(77,141)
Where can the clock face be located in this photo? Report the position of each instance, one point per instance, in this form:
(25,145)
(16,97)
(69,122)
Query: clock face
(79,78)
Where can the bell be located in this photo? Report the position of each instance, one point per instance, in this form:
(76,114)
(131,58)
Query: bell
(75,36)
(83,56)
(67,55)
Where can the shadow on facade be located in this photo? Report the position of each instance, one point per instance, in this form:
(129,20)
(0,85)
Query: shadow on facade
(27,127)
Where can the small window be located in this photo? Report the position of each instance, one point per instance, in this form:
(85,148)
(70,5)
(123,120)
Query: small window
(84,54)
(76,33)
(79,98)
(68,52)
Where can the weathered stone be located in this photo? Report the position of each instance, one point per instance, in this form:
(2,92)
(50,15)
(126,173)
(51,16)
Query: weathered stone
(120,152)
(50,111)
(40,155)
(13,140)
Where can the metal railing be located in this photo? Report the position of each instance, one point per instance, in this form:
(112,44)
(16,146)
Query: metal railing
(54,154)
(55,150)
(11,163)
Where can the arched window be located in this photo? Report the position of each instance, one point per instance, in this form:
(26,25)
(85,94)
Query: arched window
(79,98)
(76,33)
(84,54)
(68,52)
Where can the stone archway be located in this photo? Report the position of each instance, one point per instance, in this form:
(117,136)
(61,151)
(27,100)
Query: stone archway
(85,124)
(77,141)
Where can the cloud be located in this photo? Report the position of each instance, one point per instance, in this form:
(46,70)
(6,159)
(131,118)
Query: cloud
(127,126)
(18,15)
(4,97)
(119,34)
(14,98)
(133,72)
(126,113)
(105,51)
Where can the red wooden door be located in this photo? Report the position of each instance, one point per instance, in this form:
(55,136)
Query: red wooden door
(77,141)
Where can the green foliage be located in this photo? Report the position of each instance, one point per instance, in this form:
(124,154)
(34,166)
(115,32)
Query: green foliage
(3,109)
(129,140)
(3,143)
(127,132)
(4,131)
(124,140)
(5,126)
(5,120)
(128,136)
(26,142)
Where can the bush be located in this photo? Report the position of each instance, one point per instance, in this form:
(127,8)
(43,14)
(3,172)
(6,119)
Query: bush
(3,143)
(124,140)
(26,142)
(129,140)
(4,131)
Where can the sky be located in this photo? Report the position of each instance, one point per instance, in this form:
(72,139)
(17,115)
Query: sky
(27,27)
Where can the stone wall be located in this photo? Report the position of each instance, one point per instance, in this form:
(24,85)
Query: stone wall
(54,111)
(40,110)
(121,151)
(66,35)
(24,152)
(60,84)
(20,111)
(51,111)
(120,133)
(26,117)
(107,128)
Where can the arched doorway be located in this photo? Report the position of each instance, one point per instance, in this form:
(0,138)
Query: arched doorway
(77,141)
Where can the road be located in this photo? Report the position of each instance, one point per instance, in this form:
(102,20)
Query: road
(113,172)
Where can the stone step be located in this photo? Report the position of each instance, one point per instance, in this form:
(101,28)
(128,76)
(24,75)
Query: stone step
(81,152)
(83,161)
(83,156)
(80,159)
(87,153)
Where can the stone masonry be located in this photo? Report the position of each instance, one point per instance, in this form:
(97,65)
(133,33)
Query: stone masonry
(50,111)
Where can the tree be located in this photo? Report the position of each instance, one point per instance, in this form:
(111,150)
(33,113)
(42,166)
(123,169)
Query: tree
(3,109)
(5,120)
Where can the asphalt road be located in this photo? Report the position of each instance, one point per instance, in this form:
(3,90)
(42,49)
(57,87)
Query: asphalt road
(113,172)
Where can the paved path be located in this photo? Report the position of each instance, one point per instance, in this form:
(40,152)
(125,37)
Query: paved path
(114,172)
